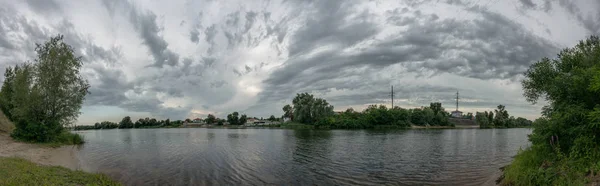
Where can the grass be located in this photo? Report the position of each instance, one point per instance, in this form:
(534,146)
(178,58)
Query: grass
(17,171)
(535,167)
(67,138)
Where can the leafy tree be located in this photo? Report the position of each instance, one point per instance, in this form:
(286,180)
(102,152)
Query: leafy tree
(233,118)
(436,107)
(272,118)
(6,92)
(243,119)
(350,110)
(570,85)
(220,121)
(188,120)
(482,119)
(126,123)
(44,97)
(288,111)
(501,116)
(63,89)
(167,122)
(210,119)
(565,142)
(308,109)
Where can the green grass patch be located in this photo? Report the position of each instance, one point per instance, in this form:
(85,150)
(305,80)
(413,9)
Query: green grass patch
(66,138)
(17,171)
(537,167)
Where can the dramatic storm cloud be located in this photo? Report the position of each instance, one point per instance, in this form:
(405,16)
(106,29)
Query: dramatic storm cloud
(186,59)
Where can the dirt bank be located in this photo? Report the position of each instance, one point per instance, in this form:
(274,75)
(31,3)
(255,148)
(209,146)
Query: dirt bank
(64,156)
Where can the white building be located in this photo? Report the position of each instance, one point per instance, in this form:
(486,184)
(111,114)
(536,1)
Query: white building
(286,119)
(456,114)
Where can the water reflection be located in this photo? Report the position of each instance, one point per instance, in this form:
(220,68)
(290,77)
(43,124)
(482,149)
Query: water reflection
(300,157)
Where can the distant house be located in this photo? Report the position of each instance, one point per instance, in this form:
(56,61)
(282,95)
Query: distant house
(456,114)
(286,119)
(197,120)
(251,120)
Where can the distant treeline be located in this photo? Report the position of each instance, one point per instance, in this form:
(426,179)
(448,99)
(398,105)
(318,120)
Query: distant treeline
(126,123)
(309,110)
(501,119)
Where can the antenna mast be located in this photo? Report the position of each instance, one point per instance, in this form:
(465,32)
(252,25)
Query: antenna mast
(456,100)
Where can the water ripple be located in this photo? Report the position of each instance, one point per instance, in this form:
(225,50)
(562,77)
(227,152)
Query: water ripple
(300,157)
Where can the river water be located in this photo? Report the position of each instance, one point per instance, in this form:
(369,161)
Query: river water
(200,156)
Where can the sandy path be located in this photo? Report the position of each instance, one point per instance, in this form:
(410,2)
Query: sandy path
(63,156)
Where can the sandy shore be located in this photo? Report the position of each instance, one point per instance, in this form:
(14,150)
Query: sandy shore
(64,156)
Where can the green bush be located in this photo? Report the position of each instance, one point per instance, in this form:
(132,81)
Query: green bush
(566,140)
(67,138)
(36,132)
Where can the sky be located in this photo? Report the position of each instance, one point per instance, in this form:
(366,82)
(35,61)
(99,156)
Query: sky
(182,59)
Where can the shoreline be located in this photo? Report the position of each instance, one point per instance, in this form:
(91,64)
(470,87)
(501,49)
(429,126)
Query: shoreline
(64,156)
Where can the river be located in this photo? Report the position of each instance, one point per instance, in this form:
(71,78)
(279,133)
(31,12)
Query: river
(200,156)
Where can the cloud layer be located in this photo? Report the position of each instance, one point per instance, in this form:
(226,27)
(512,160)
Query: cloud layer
(190,58)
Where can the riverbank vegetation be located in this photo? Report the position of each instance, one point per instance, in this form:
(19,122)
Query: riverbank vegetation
(127,123)
(499,118)
(317,112)
(565,141)
(44,96)
(17,171)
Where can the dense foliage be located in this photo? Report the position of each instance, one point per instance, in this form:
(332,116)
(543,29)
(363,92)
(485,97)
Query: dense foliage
(233,119)
(101,125)
(566,140)
(127,123)
(210,119)
(382,117)
(43,97)
(501,120)
(307,109)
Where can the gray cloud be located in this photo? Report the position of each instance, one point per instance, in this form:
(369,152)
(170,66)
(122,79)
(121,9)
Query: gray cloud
(343,51)
(528,3)
(194,36)
(329,25)
(589,21)
(209,35)
(489,47)
(145,25)
(46,6)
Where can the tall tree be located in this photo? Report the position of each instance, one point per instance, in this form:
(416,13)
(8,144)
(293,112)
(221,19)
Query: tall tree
(126,123)
(243,119)
(6,92)
(272,118)
(210,119)
(570,84)
(308,109)
(501,116)
(436,107)
(233,118)
(61,86)
(288,111)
